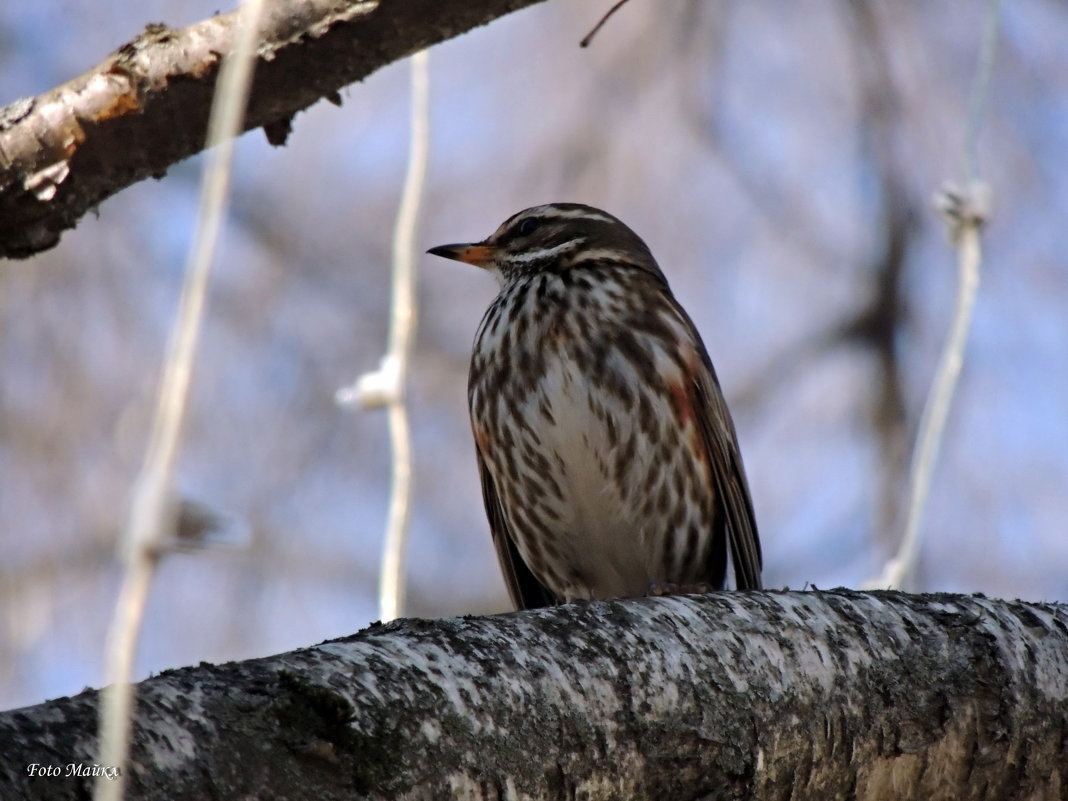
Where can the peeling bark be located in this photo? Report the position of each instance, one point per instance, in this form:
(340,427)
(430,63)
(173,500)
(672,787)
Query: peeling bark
(779,695)
(146,106)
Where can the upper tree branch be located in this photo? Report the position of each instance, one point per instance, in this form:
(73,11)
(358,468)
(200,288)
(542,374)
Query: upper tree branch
(146,106)
(728,696)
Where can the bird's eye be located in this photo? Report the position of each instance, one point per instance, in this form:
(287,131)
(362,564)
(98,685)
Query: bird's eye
(528,226)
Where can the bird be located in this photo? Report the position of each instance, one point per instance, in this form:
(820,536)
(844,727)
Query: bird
(609,461)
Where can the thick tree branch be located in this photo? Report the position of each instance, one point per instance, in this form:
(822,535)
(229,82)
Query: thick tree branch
(801,695)
(146,106)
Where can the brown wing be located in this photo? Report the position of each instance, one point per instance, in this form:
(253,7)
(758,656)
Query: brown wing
(728,473)
(523,587)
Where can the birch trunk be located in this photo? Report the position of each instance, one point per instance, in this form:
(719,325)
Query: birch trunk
(774,695)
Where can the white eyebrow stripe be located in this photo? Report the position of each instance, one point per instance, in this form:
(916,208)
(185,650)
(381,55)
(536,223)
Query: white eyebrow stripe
(549,212)
(538,255)
(607,254)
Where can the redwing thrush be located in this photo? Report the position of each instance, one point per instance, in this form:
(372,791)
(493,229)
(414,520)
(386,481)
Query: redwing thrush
(609,461)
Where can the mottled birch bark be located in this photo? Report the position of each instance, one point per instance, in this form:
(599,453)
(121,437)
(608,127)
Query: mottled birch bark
(776,695)
(145,107)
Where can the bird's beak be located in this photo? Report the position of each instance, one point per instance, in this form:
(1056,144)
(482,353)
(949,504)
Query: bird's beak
(478,254)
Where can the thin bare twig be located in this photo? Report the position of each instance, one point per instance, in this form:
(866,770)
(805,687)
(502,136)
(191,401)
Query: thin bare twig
(965,210)
(876,325)
(981,90)
(151,521)
(589,36)
(386,386)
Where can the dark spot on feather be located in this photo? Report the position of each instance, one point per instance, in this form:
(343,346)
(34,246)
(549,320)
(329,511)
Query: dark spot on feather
(625,456)
(546,412)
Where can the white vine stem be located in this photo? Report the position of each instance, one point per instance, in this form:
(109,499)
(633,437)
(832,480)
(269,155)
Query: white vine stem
(386,386)
(936,410)
(151,514)
(965,210)
(401,336)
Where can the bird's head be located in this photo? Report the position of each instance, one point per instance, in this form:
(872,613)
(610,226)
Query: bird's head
(552,238)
